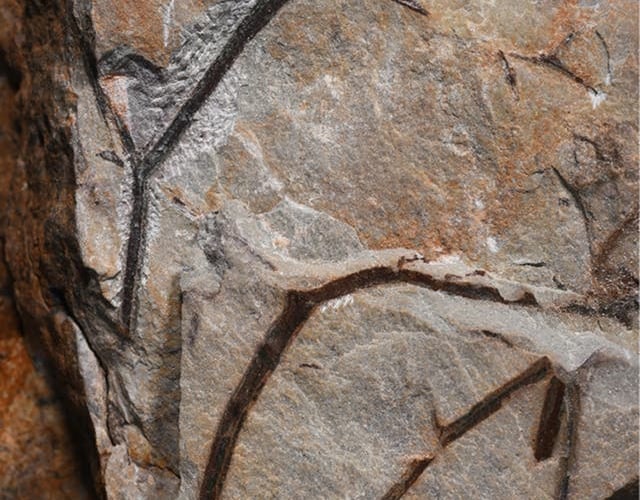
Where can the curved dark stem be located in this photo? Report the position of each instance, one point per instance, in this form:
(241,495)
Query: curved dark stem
(551,61)
(606,52)
(297,310)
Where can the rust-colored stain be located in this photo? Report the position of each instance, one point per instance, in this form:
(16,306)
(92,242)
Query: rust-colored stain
(151,28)
(525,121)
(15,363)
(36,452)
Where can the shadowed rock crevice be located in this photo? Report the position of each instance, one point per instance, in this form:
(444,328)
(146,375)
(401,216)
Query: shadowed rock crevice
(40,449)
(629,491)
(10,72)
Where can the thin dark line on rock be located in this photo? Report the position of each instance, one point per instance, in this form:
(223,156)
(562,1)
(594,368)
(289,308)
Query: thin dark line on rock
(85,36)
(509,75)
(628,224)
(551,61)
(299,305)
(258,18)
(532,264)
(313,366)
(410,476)
(493,402)
(550,420)
(375,276)
(607,53)
(577,198)
(414,6)
(111,156)
(137,234)
(572,410)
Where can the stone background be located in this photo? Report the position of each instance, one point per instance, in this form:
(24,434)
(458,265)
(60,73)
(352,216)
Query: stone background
(37,455)
(411,224)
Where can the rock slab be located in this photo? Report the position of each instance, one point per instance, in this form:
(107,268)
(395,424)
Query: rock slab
(336,249)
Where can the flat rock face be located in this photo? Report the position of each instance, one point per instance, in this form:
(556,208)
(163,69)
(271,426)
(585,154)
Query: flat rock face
(336,249)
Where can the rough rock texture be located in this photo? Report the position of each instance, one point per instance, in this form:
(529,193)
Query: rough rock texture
(333,248)
(37,457)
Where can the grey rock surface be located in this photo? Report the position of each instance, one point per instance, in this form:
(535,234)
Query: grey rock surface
(337,249)
(374,364)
